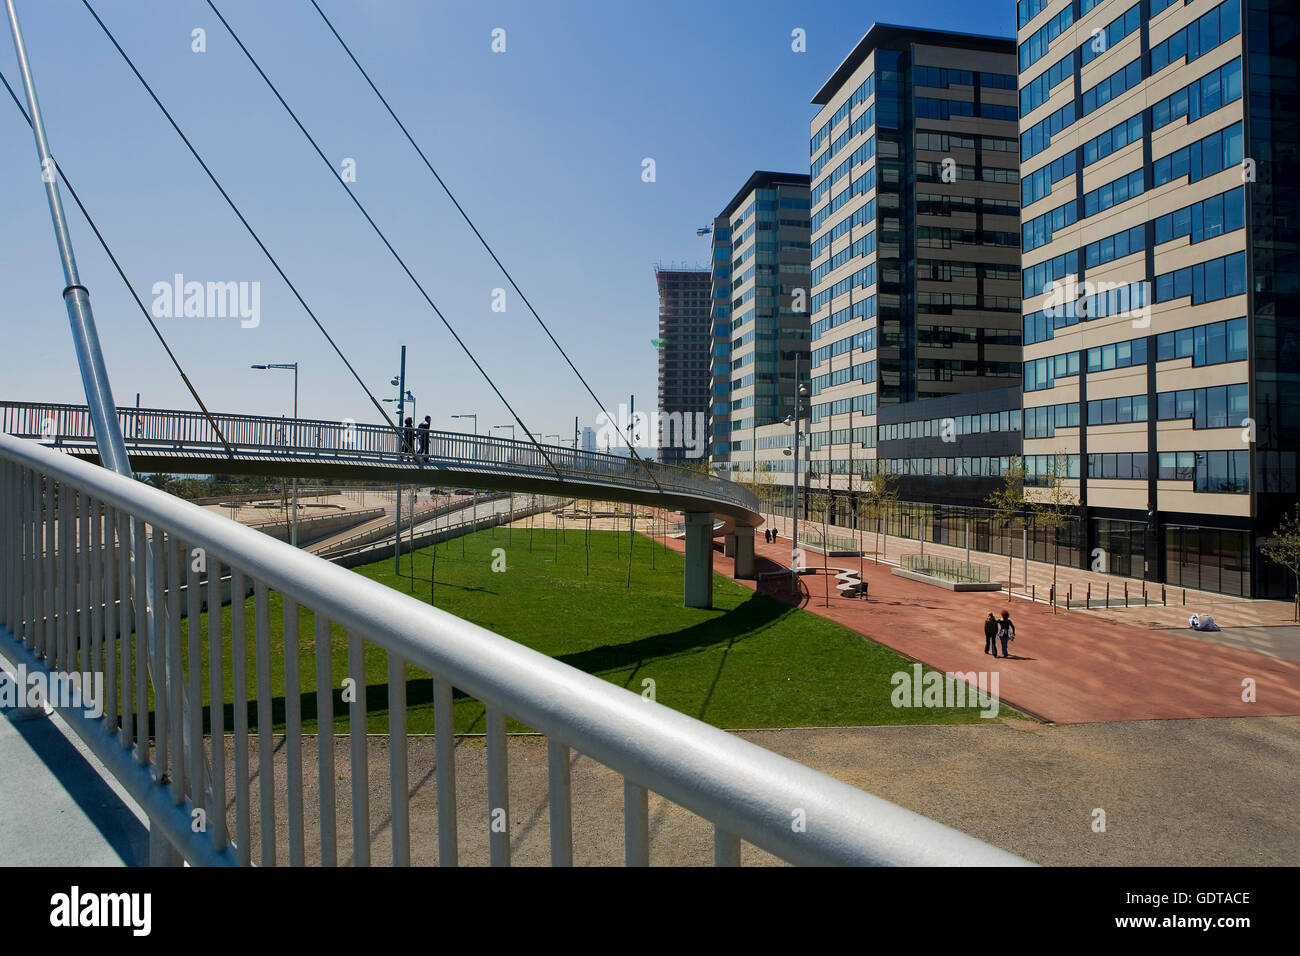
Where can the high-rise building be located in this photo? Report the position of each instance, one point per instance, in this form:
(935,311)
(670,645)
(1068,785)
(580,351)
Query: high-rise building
(685,341)
(915,255)
(588,438)
(760,314)
(1162,329)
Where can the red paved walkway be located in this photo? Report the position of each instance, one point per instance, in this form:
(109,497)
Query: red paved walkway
(1070,667)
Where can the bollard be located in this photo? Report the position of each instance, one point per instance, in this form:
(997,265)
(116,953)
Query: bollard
(1033,594)
(1164,596)
(1144,595)
(1184,597)
(1089,597)
(1107,594)
(866,591)
(1069,593)
(1126,594)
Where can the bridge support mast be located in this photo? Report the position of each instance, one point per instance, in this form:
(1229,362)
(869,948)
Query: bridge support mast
(99,393)
(699,559)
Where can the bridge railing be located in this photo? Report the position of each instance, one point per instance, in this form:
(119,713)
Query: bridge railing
(162,429)
(75,540)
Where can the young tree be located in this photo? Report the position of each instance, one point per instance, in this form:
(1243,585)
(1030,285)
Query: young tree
(1284,548)
(1054,507)
(879,492)
(1008,503)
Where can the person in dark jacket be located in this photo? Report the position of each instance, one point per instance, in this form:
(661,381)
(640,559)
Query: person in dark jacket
(1006,632)
(408,436)
(991,634)
(424,435)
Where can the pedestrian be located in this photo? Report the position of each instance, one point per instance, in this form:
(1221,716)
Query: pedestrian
(991,634)
(424,436)
(408,436)
(1006,632)
(767,535)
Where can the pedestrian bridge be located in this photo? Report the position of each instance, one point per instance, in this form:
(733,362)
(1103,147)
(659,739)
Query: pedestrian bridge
(184,442)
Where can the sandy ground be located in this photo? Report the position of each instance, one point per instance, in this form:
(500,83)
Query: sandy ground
(1175,793)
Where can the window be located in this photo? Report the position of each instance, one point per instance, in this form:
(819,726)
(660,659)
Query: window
(1037,91)
(1115,31)
(1198,37)
(1117,137)
(1216,472)
(1039,183)
(1205,157)
(1201,97)
(1205,281)
(1211,217)
(1039,136)
(1102,358)
(1114,247)
(1220,406)
(1035,48)
(1118,82)
(1113,193)
(1210,344)
(1115,411)
(1038,231)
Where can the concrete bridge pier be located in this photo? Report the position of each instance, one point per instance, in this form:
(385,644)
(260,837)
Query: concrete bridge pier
(740,546)
(699,559)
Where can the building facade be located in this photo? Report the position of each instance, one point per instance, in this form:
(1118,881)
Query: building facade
(760,314)
(685,343)
(915,246)
(1162,336)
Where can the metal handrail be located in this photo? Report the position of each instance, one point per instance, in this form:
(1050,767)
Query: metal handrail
(56,606)
(172,429)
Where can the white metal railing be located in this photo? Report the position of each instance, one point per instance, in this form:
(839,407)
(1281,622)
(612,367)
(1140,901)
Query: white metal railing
(73,538)
(172,430)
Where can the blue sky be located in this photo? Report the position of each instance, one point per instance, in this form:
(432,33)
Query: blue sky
(542,144)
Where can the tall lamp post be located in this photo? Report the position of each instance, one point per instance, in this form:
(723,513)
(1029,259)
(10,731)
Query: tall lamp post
(800,406)
(293,512)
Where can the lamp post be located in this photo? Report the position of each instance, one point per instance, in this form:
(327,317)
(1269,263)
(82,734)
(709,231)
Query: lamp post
(293,512)
(399,380)
(800,404)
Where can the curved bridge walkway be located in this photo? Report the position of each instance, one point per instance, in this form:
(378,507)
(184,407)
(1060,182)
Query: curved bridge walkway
(184,442)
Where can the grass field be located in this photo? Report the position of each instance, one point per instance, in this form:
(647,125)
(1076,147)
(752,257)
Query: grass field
(748,662)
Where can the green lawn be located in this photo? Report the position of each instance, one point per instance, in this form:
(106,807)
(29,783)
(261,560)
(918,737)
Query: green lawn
(748,662)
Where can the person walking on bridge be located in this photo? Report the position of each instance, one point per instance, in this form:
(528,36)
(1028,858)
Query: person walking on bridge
(424,436)
(408,436)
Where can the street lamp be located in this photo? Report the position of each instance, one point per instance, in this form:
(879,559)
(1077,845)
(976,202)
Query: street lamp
(511,427)
(409,398)
(293,531)
(800,405)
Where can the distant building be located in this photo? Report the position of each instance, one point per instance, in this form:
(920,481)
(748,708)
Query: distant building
(761,294)
(685,337)
(588,438)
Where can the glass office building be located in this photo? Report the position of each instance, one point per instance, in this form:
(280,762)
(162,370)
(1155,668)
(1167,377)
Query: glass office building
(1158,156)
(915,247)
(760,315)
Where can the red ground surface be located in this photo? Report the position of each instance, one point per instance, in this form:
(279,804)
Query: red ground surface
(1069,667)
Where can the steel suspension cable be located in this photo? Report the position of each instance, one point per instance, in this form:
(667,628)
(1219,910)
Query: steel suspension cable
(127,282)
(455,202)
(379,232)
(234,208)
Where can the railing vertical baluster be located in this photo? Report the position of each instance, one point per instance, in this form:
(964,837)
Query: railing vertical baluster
(10,548)
(325,741)
(293,729)
(265,743)
(726,848)
(82,657)
(239,694)
(444,729)
(174,674)
(195,661)
(50,643)
(636,824)
(67,581)
(357,739)
(398,784)
(109,636)
(32,562)
(217,705)
(561,803)
(96,547)
(498,783)
(146,615)
(123,557)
